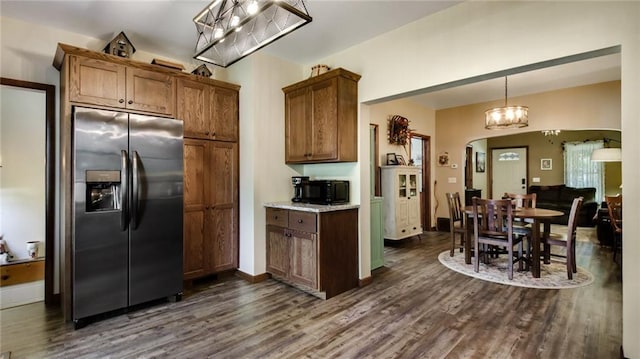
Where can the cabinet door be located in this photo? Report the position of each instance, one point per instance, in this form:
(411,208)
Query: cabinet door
(413,207)
(224,204)
(278,251)
(193,108)
(304,258)
(297,128)
(150,91)
(224,115)
(195,212)
(97,82)
(402,216)
(324,117)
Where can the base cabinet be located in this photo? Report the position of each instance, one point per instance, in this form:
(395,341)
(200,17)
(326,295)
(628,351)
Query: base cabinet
(316,252)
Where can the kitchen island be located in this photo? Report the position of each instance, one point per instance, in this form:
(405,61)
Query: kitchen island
(313,247)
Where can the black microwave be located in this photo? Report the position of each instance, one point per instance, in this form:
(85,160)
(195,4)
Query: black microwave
(325,192)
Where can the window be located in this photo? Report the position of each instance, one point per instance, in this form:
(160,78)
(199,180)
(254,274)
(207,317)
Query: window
(579,170)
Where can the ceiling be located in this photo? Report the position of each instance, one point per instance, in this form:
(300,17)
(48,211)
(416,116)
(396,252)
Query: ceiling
(166,27)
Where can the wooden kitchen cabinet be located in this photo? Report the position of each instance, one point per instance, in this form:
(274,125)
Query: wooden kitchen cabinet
(210,207)
(105,83)
(321,118)
(209,112)
(317,252)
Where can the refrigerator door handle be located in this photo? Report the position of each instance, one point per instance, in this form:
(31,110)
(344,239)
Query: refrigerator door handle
(135,194)
(124,180)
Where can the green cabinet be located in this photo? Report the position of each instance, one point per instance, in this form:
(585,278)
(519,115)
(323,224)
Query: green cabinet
(377,233)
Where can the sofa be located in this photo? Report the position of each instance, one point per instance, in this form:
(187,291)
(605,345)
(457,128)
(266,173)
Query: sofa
(560,198)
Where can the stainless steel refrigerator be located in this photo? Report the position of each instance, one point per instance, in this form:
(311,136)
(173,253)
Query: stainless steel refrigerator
(127,238)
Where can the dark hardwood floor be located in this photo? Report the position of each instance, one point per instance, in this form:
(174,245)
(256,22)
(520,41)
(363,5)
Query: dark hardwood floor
(415,308)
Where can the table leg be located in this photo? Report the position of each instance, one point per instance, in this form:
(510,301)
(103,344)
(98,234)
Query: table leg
(535,249)
(547,247)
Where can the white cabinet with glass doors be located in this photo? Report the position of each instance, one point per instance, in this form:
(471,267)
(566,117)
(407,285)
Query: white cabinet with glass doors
(401,192)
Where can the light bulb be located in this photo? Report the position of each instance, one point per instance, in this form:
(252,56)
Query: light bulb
(510,114)
(253,7)
(217,33)
(235,20)
(518,113)
(495,115)
(238,28)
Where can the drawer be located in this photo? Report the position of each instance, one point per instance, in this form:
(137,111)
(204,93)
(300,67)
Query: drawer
(277,217)
(21,272)
(302,221)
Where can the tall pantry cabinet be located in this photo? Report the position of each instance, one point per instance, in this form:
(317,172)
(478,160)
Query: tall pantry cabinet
(209,110)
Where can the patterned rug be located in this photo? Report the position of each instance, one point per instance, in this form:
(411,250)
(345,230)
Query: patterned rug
(552,276)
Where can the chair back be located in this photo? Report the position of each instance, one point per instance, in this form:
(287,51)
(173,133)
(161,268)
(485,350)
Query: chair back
(456,212)
(572,224)
(614,204)
(522,200)
(493,218)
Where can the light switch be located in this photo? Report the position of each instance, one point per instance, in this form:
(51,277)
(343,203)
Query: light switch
(535,180)
(452,180)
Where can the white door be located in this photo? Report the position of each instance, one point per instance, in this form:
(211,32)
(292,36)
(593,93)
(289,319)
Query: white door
(509,171)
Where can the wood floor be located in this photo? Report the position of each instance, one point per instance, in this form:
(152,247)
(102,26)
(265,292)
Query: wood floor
(415,308)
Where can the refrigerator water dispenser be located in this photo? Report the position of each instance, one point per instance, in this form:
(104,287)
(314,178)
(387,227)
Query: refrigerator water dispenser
(103,191)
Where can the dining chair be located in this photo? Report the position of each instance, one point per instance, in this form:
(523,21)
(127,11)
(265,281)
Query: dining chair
(493,226)
(614,205)
(522,227)
(456,220)
(566,240)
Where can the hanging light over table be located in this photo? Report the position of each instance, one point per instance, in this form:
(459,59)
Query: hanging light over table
(229,30)
(506,116)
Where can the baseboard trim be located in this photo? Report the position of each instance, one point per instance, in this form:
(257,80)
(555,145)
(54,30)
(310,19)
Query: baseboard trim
(253,279)
(365,281)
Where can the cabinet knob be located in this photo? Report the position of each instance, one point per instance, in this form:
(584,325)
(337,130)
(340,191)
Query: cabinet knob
(213,133)
(5,277)
(275,217)
(121,100)
(404,230)
(130,102)
(299,221)
(207,133)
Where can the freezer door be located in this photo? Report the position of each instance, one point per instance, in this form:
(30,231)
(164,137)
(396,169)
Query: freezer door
(155,246)
(100,240)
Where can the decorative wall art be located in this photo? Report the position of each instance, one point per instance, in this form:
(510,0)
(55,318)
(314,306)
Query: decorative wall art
(443,159)
(399,132)
(546,164)
(480,162)
(400,160)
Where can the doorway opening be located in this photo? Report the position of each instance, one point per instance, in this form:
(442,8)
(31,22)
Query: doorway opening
(421,156)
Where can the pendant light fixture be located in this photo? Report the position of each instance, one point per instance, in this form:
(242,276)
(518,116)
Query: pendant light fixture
(229,30)
(506,116)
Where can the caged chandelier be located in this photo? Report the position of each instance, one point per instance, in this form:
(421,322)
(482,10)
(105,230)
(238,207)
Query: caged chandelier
(506,116)
(229,30)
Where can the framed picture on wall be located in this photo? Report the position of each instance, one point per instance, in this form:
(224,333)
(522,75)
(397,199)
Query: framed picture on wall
(546,164)
(400,160)
(480,162)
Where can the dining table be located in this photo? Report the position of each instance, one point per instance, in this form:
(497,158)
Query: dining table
(537,215)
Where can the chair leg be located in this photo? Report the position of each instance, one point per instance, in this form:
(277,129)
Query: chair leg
(547,253)
(573,255)
(462,239)
(453,243)
(476,255)
(510,263)
(520,257)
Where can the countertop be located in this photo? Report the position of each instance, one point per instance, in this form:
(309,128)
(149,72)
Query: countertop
(306,207)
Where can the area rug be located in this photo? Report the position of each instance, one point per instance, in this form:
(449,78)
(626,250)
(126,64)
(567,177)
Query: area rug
(552,276)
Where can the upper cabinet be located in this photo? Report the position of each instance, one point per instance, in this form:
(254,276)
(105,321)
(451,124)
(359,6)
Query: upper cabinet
(209,112)
(105,83)
(321,118)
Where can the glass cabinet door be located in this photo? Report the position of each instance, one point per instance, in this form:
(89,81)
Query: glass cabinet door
(413,185)
(402,185)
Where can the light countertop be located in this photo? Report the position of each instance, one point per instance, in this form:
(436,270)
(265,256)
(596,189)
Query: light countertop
(306,207)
